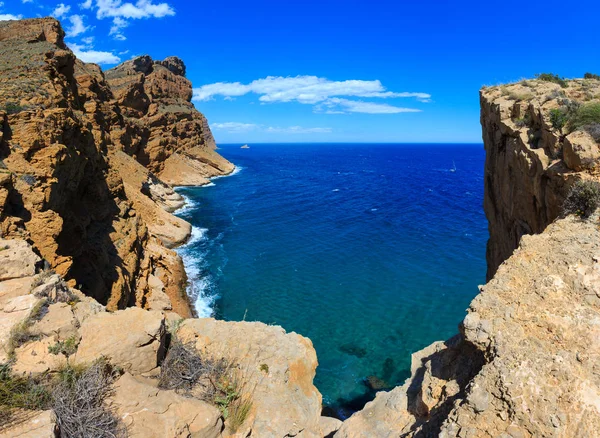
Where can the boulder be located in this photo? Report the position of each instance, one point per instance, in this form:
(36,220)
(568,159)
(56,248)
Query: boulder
(581,151)
(149,412)
(279,368)
(133,339)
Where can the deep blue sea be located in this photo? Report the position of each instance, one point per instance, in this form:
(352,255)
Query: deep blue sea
(373,251)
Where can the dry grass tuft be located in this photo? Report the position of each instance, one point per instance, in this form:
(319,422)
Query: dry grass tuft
(78,400)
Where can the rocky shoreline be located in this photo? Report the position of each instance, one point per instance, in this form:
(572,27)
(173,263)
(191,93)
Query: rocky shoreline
(88,162)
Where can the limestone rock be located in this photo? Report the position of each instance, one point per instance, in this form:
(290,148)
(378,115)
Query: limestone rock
(16,259)
(133,339)
(149,412)
(279,366)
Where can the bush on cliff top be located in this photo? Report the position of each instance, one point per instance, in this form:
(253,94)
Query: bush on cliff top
(583,199)
(19,393)
(551,77)
(591,76)
(585,115)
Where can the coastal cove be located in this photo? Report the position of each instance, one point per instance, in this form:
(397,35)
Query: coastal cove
(371,251)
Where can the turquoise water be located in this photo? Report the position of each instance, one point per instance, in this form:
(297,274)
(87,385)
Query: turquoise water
(372,251)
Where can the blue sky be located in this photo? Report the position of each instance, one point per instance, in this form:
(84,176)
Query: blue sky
(336,71)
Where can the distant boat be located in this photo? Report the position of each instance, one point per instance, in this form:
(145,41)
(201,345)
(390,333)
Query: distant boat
(245,147)
(453,167)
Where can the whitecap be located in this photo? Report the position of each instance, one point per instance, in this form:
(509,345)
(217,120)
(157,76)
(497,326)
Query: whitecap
(335,190)
(236,170)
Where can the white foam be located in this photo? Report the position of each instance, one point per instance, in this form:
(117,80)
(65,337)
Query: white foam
(188,206)
(335,190)
(199,288)
(236,170)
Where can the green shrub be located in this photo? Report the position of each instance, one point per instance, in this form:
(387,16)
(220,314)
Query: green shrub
(67,347)
(20,393)
(21,334)
(559,118)
(583,199)
(591,76)
(12,108)
(551,77)
(587,114)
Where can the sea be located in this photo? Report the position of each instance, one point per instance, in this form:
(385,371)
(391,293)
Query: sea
(373,251)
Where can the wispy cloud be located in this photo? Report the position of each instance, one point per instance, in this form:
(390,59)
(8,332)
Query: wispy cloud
(343,106)
(304,89)
(95,56)
(236,127)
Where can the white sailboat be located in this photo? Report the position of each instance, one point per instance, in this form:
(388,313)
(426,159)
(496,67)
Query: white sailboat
(453,167)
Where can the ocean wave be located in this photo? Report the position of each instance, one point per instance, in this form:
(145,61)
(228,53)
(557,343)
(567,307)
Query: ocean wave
(188,206)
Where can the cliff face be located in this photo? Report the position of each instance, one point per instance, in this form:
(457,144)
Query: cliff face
(524,362)
(80,165)
(529,163)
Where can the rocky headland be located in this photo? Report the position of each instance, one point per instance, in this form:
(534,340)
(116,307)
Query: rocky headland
(90,284)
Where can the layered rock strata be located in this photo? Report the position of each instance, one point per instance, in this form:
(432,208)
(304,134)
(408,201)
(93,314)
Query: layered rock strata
(81,157)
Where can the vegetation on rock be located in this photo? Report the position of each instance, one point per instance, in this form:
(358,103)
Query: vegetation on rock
(583,199)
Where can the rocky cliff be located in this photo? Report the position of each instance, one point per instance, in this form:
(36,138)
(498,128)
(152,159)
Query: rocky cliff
(529,162)
(84,157)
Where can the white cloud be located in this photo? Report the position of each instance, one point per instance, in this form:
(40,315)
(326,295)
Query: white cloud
(141,9)
(342,106)
(6,17)
(302,89)
(26,1)
(298,130)
(120,12)
(77,27)
(236,127)
(61,10)
(88,40)
(94,56)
